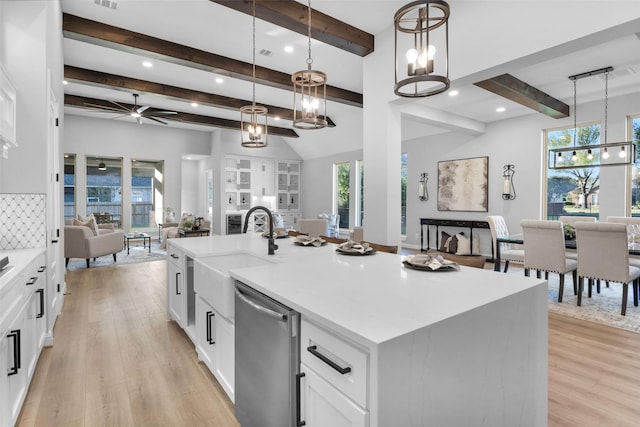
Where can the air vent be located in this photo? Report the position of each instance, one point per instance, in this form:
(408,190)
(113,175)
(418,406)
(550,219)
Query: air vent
(107,3)
(266,52)
(619,72)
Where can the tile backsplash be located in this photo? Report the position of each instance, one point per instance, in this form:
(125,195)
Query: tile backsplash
(22,221)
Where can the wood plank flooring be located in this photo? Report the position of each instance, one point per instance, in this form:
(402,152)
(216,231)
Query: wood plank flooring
(117,361)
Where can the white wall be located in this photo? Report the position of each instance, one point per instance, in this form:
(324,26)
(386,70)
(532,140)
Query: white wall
(85,136)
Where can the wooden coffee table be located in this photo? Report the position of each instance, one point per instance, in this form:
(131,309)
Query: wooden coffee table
(138,236)
(191,233)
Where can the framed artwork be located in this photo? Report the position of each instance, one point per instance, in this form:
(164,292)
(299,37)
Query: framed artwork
(463,185)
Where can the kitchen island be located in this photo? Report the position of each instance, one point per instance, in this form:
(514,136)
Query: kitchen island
(425,348)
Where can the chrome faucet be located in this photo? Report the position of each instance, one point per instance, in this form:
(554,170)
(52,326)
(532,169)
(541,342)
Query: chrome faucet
(272,242)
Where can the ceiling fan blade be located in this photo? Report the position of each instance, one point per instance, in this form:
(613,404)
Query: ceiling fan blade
(119,116)
(156,120)
(163,113)
(142,109)
(119,105)
(139,119)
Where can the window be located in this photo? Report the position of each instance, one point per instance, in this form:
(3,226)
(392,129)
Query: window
(360,190)
(69,186)
(573,191)
(634,135)
(341,191)
(104,187)
(403,193)
(146,192)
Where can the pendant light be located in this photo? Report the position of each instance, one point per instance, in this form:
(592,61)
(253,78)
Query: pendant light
(420,26)
(594,155)
(309,93)
(253,134)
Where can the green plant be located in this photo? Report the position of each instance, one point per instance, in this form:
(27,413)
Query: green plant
(569,231)
(187,225)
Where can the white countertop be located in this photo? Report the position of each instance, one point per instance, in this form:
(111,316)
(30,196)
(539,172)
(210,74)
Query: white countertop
(372,299)
(19,259)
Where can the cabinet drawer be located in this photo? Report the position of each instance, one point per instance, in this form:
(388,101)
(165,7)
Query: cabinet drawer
(175,256)
(336,360)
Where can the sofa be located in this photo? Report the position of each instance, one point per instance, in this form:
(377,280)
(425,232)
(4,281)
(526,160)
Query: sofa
(80,242)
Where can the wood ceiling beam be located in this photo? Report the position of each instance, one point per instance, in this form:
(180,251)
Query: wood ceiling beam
(94,32)
(293,16)
(518,91)
(81,102)
(105,80)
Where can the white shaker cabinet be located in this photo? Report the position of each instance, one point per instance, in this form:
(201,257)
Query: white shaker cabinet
(263,174)
(335,383)
(176,292)
(288,185)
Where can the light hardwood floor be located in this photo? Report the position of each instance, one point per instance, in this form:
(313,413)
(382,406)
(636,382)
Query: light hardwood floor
(117,361)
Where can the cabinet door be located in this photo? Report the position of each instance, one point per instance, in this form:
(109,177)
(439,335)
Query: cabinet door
(176,292)
(224,365)
(14,348)
(323,405)
(268,179)
(283,202)
(204,332)
(283,182)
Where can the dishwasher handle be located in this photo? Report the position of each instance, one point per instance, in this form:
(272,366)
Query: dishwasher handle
(260,308)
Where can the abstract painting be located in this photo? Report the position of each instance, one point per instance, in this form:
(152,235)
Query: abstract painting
(463,185)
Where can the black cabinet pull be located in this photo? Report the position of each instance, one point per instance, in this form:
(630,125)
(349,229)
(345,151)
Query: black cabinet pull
(41,292)
(32,280)
(174,256)
(210,315)
(314,350)
(299,421)
(15,334)
(177,288)
(42,268)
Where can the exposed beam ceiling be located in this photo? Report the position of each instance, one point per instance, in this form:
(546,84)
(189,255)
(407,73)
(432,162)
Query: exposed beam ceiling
(293,16)
(81,102)
(105,80)
(89,31)
(518,91)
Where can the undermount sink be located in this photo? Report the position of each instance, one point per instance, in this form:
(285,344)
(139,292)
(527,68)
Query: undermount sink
(213,282)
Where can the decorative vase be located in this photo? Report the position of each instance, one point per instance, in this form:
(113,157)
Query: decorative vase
(170,217)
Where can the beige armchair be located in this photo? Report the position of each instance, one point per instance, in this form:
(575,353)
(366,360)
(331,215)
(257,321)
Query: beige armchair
(80,242)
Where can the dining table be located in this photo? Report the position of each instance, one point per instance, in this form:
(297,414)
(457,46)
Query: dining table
(634,248)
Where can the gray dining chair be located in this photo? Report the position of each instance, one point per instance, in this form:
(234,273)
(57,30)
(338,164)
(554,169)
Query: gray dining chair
(571,220)
(508,252)
(544,251)
(603,254)
(627,220)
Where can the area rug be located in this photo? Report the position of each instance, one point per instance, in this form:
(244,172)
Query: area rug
(603,308)
(137,253)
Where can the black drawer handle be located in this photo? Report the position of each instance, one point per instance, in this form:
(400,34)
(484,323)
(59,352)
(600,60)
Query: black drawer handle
(42,268)
(314,350)
(16,351)
(177,288)
(32,281)
(174,256)
(210,315)
(41,292)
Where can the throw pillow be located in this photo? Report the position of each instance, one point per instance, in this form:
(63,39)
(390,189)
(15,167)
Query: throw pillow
(464,245)
(448,243)
(90,224)
(93,225)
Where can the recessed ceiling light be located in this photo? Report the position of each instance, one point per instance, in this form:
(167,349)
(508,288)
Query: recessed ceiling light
(288,49)
(194,104)
(276,118)
(147,64)
(500,110)
(453,93)
(219,80)
(64,82)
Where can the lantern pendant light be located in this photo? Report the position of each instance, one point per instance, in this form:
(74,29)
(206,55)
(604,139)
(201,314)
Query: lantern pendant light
(253,134)
(309,93)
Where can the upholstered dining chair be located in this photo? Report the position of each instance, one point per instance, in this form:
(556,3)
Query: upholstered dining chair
(544,251)
(508,252)
(314,227)
(603,254)
(627,220)
(571,220)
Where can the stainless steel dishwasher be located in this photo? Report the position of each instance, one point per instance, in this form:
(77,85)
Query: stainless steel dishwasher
(267,360)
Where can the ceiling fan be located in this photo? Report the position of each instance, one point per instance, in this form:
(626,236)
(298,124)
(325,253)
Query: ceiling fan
(138,112)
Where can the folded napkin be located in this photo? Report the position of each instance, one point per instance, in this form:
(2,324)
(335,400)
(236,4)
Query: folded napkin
(307,241)
(352,246)
(433,262)
(277,232)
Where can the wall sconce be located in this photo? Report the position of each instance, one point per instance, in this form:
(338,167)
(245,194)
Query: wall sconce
(508,190)
(423,193)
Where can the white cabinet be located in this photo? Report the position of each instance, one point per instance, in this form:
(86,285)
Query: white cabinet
(22,329)
(238,181)
(263,174)
(215,344)
(176,292)
(288,186)
(335,385)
